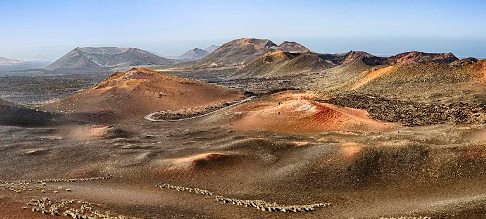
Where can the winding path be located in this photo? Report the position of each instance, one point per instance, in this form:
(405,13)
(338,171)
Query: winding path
(149,116)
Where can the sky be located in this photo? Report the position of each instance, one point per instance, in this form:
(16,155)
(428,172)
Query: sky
(52,28)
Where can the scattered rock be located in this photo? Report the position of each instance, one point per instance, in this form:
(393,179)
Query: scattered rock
(76,209)
(411,113)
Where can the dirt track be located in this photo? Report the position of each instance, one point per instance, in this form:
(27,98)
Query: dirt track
(180,117)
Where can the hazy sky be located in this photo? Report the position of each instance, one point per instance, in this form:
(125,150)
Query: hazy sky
(52,28)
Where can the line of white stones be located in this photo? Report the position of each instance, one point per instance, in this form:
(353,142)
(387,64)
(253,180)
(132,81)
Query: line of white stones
(75,209)
(258,204)
(31,185)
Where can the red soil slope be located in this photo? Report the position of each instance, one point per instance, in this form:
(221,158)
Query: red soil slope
(297,113)
(140,91)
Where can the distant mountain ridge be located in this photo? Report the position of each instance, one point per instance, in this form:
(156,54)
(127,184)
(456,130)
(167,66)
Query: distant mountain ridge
(193,54)
(196,53)
(211,48)
(96,58)
(242,52)
(8,64)
(7,61)
(263,58)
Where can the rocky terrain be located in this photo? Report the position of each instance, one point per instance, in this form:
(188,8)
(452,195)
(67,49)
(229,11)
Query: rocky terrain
(411,113)
(252,130)
(17,115)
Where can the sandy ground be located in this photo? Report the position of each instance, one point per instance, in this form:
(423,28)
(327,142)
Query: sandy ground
(286,147)
(415,171)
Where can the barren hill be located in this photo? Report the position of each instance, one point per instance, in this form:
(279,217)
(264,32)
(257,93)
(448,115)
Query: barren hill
(262,58)
(416,75)
(431,80)
(368,59)
(292,47)
(418,57)
(294,112)
(211,48)
(193,54)
(281,63)
(432,69)
(96,58)
(140,91)
(236,53)
(196,54)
